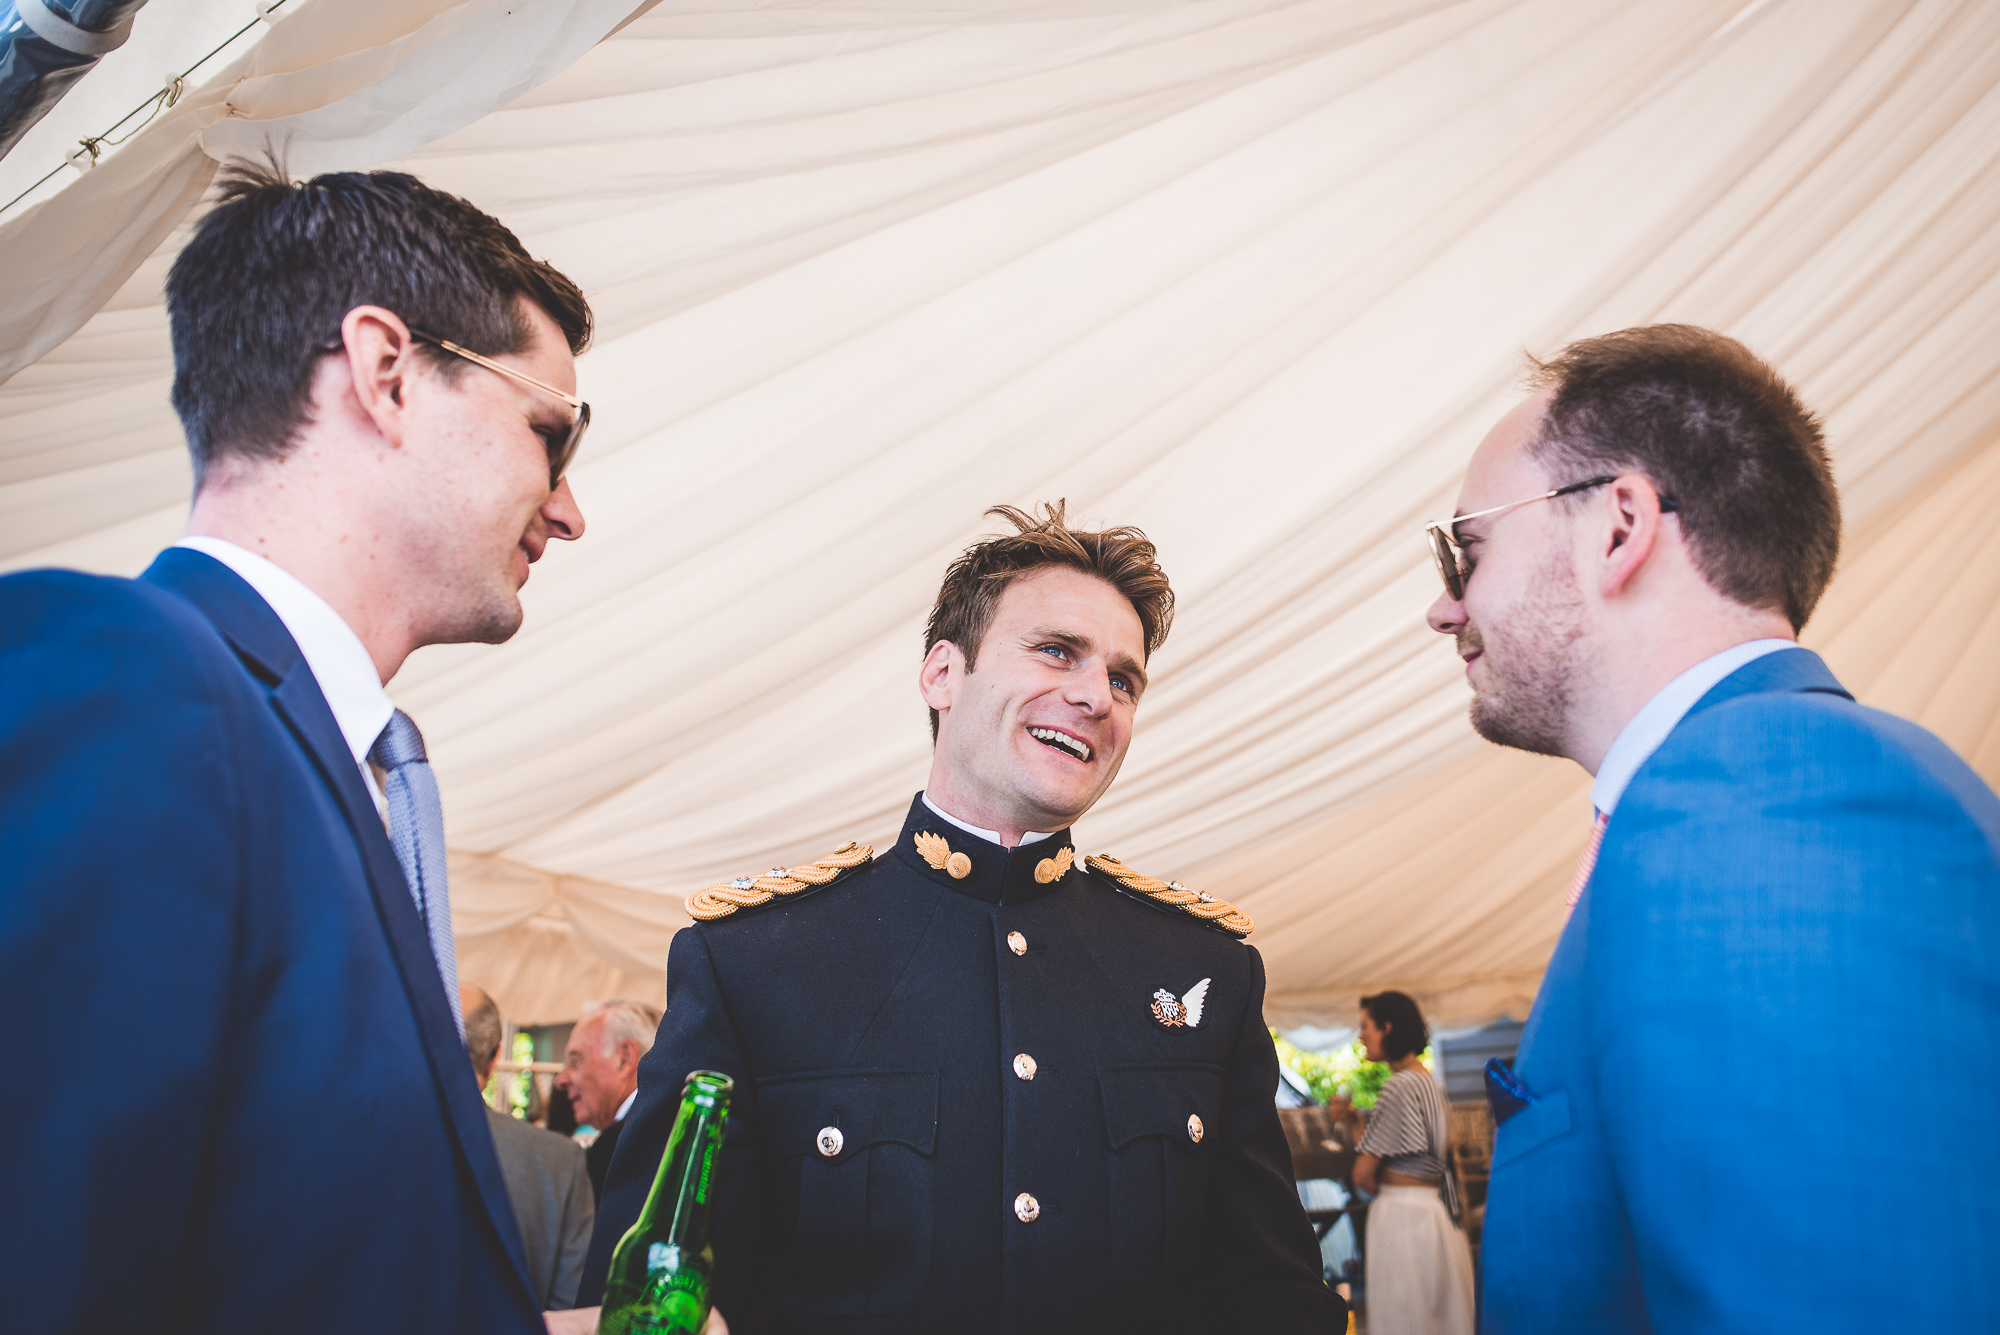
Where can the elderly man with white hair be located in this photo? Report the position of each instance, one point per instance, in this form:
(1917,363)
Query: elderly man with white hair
(601,1072)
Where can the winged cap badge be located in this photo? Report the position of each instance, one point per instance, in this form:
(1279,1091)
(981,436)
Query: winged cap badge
(1174,1012)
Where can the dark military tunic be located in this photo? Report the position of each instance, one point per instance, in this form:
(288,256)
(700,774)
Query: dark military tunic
(957,1110)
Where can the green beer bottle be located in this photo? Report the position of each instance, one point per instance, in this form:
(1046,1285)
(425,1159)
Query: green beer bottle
(661,1270)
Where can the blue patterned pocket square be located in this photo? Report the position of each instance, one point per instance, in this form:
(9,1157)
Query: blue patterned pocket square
(1505,1090)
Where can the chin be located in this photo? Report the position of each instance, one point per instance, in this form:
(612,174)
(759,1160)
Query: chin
(1064,803)
(496,622)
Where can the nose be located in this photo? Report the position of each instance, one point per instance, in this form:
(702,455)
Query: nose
(1447,614)
(562,514)
(1091,691)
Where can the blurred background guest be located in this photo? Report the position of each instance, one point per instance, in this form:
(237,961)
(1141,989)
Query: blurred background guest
(1419,1269)
(547,1179)
(600,1072)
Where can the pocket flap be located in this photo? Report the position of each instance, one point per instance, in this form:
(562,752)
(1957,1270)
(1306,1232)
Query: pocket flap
(865,1107)
(1538,1123)
(1158,1100)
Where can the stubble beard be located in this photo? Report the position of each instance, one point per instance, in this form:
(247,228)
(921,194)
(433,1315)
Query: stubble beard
(489,612)
(1530,685)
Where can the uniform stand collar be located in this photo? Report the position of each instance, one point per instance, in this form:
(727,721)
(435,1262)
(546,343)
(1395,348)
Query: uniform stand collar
(992,873)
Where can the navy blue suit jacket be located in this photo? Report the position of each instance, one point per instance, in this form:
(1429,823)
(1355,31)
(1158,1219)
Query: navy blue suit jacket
(249,1109)
(1766,1054)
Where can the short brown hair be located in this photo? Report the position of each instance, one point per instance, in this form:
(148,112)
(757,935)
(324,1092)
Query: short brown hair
(276,265)
(1122,557)
(1715,429)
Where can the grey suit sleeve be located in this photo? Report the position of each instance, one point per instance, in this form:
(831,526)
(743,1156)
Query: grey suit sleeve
(579,1212)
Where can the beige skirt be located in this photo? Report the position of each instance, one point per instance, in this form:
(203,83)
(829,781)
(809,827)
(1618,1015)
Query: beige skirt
(1419,1268)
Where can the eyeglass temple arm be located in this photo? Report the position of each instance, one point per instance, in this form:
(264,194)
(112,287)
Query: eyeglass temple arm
(1668,505)
(491,365)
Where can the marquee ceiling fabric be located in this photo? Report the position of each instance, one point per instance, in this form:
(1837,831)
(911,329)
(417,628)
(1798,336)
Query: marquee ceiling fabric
(1253,276)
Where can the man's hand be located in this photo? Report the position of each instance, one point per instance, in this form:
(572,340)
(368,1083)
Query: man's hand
(583,1321)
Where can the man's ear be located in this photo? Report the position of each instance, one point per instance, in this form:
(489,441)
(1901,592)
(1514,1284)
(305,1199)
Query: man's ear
(381,361)
(629,1054)
(1625,547)
(934,677)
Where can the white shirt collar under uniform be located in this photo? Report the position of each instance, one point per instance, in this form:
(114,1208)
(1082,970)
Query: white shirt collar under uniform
(626,1106)
(339,661)
(990,836)
(1663,713)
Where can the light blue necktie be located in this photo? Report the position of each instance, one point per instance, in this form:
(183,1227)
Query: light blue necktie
(416,831)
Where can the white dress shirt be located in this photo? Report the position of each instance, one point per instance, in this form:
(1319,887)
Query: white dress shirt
(626,1106)
(1663,713)
(339,661)
(990,836)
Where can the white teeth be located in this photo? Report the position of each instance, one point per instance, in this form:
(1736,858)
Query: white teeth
(1064,740)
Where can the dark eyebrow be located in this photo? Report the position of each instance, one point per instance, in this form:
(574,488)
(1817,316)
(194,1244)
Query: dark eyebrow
(1082,644)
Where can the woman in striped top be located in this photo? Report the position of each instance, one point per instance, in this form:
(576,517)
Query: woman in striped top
(1419,1267)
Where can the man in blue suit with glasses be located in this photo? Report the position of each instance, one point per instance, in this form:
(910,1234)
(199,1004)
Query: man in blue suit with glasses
(253,1109)
(1778,880)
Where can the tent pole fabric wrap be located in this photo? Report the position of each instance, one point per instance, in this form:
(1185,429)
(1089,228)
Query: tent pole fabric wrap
(45,47)
(1252,276)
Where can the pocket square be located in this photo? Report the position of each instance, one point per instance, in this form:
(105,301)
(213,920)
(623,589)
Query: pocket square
(1505,1091)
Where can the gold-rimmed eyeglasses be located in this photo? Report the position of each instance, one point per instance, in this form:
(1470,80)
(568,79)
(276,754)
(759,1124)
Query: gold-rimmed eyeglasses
(1453,566)
(562,450)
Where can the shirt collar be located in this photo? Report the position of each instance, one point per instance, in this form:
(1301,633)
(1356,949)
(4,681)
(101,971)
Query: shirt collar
(339,661)
(1663,713)
(626,1106)
(990,836)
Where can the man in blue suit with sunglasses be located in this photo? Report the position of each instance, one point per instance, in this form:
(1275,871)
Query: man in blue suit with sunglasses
(1777,881)
(253,1108)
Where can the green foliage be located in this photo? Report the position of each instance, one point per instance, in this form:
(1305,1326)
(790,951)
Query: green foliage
(524,1081)
(1342,1071)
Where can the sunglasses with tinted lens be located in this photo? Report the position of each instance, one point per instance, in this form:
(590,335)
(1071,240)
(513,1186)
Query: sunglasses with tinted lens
(1450,557)
(560,452)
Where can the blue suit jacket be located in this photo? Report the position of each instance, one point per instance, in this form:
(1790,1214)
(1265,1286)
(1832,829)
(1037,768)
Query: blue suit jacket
(1766,1054)
(248,1108)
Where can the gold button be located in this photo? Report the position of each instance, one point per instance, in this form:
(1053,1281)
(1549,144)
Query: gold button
(1026,1208)
(1017,943)
(1194,1128)
(959,865)
(1024,1066)
(830,1140)
(1045,871)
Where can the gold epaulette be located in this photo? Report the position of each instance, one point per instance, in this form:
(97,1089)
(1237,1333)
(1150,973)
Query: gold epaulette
(749,892)
(1194,903)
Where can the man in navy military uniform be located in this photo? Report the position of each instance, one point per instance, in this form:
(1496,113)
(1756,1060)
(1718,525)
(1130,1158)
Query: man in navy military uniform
(981,1084)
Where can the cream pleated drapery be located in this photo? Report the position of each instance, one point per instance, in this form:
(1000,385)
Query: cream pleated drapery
(1253,276)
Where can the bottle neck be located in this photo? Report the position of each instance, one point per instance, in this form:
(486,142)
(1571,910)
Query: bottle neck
(676,1210)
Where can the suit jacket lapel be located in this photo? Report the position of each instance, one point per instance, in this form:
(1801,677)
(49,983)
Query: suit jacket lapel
(267,649)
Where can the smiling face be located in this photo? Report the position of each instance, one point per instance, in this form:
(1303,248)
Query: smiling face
(477,510)
(1521,627)
(1031,738)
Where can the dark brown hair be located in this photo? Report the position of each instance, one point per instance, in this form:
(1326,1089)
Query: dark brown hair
(1403,1029)
(1124,558)
(275,266)
(1714,428)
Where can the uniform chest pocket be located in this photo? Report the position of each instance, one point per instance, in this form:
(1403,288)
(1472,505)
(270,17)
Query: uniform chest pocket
(852,1213)
(1157,1123)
